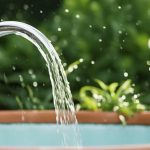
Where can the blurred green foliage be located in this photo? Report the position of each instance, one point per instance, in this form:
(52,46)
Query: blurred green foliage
(111,36)
(121,99)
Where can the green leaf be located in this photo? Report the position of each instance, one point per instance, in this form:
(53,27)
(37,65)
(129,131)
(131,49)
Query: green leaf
(102,84)
(20,104)
(126,111)
(112,87)
(89,104)
(88,101)
(91,89)
(30,92)
(125,88)
(73,66)
(137,106)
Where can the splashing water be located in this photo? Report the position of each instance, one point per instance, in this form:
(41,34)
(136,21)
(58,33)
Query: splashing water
(63,103)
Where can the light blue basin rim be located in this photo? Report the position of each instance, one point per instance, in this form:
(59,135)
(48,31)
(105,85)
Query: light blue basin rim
(91,135)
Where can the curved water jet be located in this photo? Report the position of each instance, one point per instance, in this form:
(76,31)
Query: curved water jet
(64,105)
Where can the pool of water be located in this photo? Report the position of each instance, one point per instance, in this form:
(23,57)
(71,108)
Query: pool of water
(91,135)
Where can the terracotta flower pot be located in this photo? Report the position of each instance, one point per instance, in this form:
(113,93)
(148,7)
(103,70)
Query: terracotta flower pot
(46,116)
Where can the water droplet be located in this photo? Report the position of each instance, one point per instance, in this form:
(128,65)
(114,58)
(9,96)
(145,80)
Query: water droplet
(13,68)
(116,108)
(92,62)
(90,26)
(123,97)
(104,27)
(78,79)
(119,7)
(35,84)
(148,43)
(70,69)
(41,11)
(67,10)
(25,7)
(125,74)
(121,47)
(21,78)
(59,29)
(100,40)
(120,32)
(75,66)
(64,64)
(77,16)
(33,76)
(147,84)
(30,71)
(148,62)
(65,42)
(81,59)
(135,96)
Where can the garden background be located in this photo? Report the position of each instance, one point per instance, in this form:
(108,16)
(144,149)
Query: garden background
(107,40)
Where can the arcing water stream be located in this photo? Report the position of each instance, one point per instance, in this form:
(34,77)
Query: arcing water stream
(64,105)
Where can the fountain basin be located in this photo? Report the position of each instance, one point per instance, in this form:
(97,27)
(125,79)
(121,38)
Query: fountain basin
(46,136)
(37,130)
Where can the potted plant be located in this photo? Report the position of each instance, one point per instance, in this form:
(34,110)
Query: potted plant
(113,103)
(104,104)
